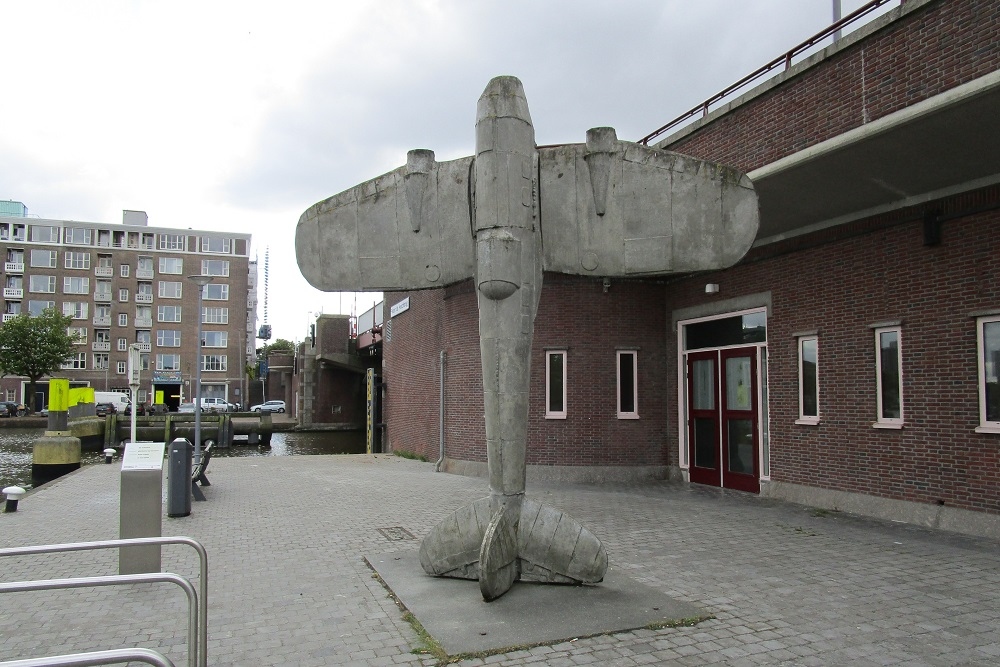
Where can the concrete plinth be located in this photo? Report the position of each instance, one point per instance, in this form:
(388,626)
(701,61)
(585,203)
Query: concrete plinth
(53,455)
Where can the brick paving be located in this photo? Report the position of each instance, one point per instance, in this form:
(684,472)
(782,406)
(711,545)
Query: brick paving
(787,585)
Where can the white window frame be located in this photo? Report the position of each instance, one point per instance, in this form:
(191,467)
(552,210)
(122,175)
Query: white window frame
(70,234)
(160,310)
(79,332)
(169,289)
(49,235)
(51,280)
(172,242)
(123,295)
(33,305)
(124,270)
(102,361)
(174,357)
(77,310)
(122,368)
(123,344)
(76,285)
(219,317)
(549,412)
(123,319)
(803,417)
(51,263)
(77,361)
(76,260)
(986,370)
(223,337)
(214,362)
(634,413)
(207,243)
(880,421)
(168,338)
(215,267)
(172,265)
(216,292)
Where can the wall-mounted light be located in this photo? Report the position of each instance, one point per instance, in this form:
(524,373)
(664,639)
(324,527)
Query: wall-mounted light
(607,284)
(711,288)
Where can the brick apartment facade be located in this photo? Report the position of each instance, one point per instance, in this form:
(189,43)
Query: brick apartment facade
(849,360)
(128,283)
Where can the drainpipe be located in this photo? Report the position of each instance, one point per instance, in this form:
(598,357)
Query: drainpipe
(437,464)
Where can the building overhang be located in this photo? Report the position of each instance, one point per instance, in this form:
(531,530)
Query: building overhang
(940,146)
(343,361)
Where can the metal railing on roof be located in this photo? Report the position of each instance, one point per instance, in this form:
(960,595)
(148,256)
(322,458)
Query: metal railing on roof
(785,59)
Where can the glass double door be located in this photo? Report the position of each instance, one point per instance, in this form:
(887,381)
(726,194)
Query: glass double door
(723,416)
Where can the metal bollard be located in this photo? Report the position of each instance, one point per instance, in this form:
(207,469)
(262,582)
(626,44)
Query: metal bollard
(109,454)
(179,464)
(13,494)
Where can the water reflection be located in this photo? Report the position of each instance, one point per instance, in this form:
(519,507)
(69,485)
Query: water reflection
(16,443)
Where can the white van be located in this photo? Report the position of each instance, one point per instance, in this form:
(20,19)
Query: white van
(214,404)
(119,399)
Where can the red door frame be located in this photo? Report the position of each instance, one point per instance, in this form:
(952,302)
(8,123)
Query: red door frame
(702,475)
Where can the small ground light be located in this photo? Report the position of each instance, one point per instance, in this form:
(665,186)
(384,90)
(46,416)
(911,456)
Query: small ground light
(13,494)
(109,454)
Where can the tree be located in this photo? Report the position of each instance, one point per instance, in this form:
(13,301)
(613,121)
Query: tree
(278,345)
(33,347)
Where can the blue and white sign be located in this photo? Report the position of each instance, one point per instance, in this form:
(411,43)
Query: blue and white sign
(400,307)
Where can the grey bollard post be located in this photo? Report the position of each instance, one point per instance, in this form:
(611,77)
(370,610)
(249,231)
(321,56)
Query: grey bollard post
(179,462)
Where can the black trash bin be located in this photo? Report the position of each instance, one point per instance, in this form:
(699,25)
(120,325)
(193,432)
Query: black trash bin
(179,462)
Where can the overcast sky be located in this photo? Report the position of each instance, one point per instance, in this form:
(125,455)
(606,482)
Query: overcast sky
(240,115)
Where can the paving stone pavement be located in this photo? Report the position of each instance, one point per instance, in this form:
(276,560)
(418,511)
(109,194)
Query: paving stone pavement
(787,585)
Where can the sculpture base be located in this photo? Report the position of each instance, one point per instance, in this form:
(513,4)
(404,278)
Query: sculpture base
(529,614)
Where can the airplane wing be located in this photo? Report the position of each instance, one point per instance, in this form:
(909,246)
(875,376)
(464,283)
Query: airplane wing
(615,208)
(407,229)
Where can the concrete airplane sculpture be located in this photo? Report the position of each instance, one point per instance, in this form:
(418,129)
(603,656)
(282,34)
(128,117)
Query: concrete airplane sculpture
(604,208)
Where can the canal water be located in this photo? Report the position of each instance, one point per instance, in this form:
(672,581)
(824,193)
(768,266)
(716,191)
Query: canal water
(16,443)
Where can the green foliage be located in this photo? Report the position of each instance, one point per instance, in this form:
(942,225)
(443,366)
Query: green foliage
(33,347)
(278,345)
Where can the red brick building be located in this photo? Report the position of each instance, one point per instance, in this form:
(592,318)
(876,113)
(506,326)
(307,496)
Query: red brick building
(849,361)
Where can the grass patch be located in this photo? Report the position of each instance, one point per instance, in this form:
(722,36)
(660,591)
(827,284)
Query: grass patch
(410,455)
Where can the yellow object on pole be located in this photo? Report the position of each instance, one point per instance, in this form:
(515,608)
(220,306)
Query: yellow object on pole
(58,395)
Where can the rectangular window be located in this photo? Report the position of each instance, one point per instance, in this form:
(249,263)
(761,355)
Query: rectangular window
(76,285)
(170,290)
(145,264)
(79,235)
(215,267)
(168,338)
(77,260)
(124,269)
(45,234)
(144,361)
(628,386)
(808,380)
(43,259)
(42,284)
(79,334)
(168,362)
(555,384)
(172,242)
(168,313)
(889,378)
(214,315)
(123,345)
(122,368)
(75,309)
(123,295)
(215,292)
(144,288)
(988,335)
(122,320)
(216,339)
(101,360)
(142,337)
(36,307)
(212,244)
(76,361)
(102,335)
(213,362)
(171,265)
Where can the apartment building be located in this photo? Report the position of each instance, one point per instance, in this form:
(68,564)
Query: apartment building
(130,283)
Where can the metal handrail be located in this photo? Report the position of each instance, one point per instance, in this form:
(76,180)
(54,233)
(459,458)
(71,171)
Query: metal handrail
(109,657)
(114,580)
(139,541)
(785,59)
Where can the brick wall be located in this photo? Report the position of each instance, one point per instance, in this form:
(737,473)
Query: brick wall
(575,314)
(935,48)
(879,270)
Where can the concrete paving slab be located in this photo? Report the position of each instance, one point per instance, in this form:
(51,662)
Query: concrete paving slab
(453,612)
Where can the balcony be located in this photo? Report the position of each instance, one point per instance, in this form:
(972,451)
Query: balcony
(102,321)
(102,297)
(104,271)
(144,274)
(7,317)
(144,347)
(13,267)
(144,298)
(13,292)
(143,322)
(99,346)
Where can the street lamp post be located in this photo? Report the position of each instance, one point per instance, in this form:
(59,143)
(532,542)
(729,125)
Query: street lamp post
(200,281)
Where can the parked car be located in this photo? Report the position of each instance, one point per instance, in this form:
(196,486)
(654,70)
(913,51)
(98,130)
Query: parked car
(14,409)
(105,409)
(4,412)
(214,404)
(140,411)
(186,407)
(269,406)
